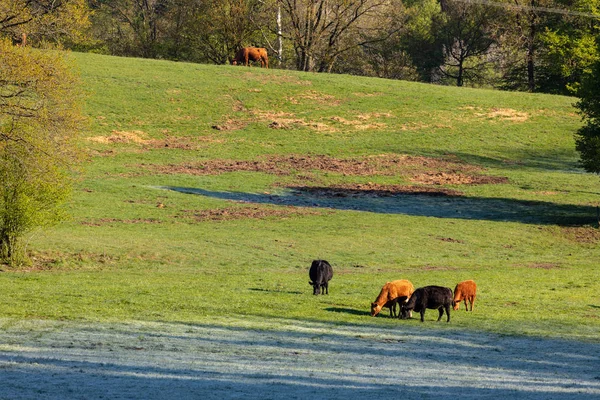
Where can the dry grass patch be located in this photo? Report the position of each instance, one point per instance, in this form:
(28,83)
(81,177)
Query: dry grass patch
(499,114)
(313,96)
(137,137)
(141,138)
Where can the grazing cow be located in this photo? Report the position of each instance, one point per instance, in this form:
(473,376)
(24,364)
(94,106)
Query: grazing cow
(433,297)
(392,293)
(464,291)
(248,54)
(320,274)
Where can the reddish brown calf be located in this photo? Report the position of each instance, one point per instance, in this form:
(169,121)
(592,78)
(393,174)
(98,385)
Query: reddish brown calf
(464,291)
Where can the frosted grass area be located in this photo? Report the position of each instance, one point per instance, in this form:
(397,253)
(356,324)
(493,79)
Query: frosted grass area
(274,359)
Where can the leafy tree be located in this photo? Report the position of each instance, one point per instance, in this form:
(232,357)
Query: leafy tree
(569,48)
(587,138)
(467,32)
(56,21)
(39,119)
(421,41)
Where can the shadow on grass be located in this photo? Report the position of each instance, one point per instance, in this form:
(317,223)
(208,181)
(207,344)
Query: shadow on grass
(437,204)
(279,358)
(274,291)
(351,311)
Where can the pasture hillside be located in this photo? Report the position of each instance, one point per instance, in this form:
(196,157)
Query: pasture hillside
(209,190)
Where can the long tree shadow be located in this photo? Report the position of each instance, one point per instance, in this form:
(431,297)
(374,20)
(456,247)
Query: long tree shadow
(434,204)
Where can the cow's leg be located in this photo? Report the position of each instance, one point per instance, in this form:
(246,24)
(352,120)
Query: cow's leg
(441,311)
(472,302)
(423,315)
(447,307)
(466,305)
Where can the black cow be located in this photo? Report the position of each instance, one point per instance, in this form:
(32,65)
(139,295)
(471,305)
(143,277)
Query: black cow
(433,297)
(320,274)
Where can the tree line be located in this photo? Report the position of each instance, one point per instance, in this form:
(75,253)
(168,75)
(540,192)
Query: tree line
(530,45)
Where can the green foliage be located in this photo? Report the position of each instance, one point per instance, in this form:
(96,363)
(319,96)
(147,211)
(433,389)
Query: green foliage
(65,22)
(39,117)
(588,137)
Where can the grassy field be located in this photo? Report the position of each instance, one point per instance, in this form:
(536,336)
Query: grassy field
(210,189)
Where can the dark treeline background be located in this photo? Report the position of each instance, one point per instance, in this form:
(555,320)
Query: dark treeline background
(529,45)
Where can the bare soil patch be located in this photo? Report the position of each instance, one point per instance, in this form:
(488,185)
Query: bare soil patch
(253,212)
(112,221)
(449,178)
(546,266)
(423,170)
(374,190)
(586,234)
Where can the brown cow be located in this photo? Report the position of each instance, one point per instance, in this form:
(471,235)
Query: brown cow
(248,54)
(464,291)
(390,294)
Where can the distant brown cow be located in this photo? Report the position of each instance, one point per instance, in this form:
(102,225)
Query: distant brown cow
(390,294)
(248,54)
(464,291)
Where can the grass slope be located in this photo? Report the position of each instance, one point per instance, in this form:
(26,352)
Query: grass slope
(142,246)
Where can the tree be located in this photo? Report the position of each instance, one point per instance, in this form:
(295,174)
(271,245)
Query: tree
(467,32)
(569,48)
(318,29)
(39,119)
(57,21)
(587,138)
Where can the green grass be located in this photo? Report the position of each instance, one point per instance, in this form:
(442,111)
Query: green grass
(134,251)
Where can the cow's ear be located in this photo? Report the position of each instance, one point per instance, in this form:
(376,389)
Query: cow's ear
(310,283)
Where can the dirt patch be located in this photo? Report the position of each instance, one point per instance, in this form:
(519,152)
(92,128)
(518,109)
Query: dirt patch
(449,178)
(422,170)
(112,221)
(450,240)
(254,212)
(582,234)
(438,268)
(547,266)
(231,125)
(374,190)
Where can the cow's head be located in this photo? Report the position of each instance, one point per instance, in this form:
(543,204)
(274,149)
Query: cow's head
(375,308)
(316,287)
(455,305)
